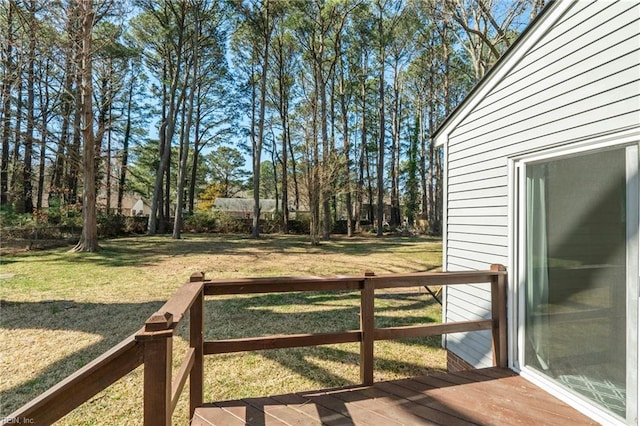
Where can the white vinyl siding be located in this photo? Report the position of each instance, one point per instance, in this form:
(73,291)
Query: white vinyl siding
(581,79)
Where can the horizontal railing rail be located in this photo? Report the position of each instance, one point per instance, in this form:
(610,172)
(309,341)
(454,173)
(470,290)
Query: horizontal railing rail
(299,284)
(152,346)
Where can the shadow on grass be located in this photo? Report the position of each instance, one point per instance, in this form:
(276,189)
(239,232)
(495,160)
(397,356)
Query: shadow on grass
(300,362)
(149,250)
(255,315)
(267,314)
(364,246)
(324,312)
(111,322)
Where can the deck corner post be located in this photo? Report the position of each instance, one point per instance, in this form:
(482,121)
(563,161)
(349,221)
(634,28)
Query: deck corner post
(499,316)
(158,358)
(196,277)
(367,324)
(196,341)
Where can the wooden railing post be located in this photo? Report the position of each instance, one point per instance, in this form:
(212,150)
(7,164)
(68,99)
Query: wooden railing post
(367,324)
(158,351)
(196,339)
(499,316)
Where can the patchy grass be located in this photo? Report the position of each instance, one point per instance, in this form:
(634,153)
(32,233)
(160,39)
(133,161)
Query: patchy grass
(60,310)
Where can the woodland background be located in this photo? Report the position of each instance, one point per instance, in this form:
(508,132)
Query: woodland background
(326,106)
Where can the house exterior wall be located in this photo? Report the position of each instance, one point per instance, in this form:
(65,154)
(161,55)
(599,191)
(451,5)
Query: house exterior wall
(579,80)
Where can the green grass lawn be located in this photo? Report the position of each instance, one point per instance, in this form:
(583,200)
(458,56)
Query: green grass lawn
(60,310)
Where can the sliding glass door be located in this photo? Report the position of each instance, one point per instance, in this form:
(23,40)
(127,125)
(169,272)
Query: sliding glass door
(580,274)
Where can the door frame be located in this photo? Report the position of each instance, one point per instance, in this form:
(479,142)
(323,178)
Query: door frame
(630,140)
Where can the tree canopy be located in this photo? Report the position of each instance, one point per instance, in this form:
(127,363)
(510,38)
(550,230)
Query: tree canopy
(327,106)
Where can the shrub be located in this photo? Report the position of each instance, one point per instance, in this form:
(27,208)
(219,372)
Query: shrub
(200,222)
(65,215)
(270,226)
(110,226)
(340,227)
(300,225)
(229,224)
(135,224)
(9,217)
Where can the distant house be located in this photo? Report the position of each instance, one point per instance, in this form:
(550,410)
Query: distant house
(140,207)
(133,204)
(242,208)
(541,175)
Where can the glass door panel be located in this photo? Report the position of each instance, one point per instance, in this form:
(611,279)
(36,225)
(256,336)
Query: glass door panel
(576,274)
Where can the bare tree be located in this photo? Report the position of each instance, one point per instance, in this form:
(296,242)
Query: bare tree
(487,36)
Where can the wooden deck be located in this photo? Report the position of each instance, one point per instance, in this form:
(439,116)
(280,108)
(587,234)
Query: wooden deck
(491,396)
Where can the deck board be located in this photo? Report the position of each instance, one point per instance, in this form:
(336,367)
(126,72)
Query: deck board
(482,397)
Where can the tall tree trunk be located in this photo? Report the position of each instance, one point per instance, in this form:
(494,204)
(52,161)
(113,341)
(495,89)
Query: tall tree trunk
(283,108)
(424,204)
(108,159)
(58,178)
(437,223)
(294,172)
(89,238)
(166,215)
(74,157)
(324,174)
(274,166)
(359,191)
(364,160)
(257,144)
(412,203)
(196,153)
(45,97)
(371,211)
(438,228)
(332,148)
(125,146)
(347,150)
(431,175)
(285,172)
(186,134)
(41,163)
(17,140)
(103,113)
(156,203)
(7,83)
(27,171)
(314,185)
(395,150)
(167,129)
(381,129)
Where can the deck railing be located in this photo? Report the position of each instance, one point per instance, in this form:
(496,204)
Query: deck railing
(153,344)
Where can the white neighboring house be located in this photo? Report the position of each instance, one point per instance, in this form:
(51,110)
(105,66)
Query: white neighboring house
(541,175)
(140,206)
